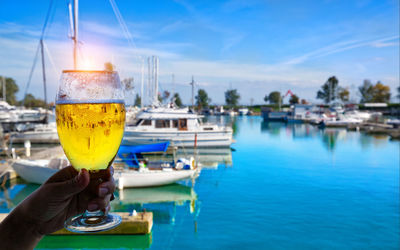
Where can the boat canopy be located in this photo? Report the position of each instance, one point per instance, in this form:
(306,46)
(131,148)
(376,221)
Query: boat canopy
(129,154)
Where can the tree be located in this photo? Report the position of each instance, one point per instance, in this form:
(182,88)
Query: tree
(31,102)
(294,99)
(366,91)
(127,83)
(177,100)
(398,93)
(344,94)
(266,98)
(374,93)
(303,101)
(11,90)
(202,99)
(381,93)
(274,97)
(329,89)
(232,97)
(109,66)
(165,95)
(138,100)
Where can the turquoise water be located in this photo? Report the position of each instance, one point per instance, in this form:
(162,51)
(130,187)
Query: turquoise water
(286,187)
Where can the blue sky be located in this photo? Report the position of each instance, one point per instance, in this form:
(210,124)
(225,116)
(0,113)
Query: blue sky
(254,46)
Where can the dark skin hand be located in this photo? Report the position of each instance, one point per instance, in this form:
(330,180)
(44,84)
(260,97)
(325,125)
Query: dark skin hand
(67,193)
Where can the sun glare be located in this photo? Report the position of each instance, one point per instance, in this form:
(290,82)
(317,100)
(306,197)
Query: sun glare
(88,63)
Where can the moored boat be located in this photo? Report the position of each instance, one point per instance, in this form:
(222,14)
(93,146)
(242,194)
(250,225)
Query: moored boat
(38,171)
(142,172)
(41,133)
(180,126)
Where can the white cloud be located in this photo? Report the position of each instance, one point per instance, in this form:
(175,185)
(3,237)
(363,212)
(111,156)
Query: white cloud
(383,44)
(342,46)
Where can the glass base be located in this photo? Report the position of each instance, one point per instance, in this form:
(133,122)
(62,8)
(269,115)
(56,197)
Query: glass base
(92,222)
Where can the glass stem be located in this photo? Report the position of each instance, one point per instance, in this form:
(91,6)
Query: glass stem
(93,217)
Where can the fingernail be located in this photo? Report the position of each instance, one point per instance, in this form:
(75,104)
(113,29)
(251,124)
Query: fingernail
(103,191)
(79,177)
(93,206)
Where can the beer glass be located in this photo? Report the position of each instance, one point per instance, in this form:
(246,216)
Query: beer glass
(90,115)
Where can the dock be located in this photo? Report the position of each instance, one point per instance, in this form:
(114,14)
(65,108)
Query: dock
(139,224)
(376,129)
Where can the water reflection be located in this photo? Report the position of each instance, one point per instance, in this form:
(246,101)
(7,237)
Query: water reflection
(225,120)
(209,157)
(172,193)
(162,201)
(12,194)
(330,137)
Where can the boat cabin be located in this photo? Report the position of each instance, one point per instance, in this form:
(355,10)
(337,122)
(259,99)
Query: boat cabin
(180,124)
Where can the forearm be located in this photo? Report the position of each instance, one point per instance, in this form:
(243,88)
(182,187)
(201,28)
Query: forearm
(18,233)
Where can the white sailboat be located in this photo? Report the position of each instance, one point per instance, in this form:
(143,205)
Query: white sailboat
(151,178)
(38,171)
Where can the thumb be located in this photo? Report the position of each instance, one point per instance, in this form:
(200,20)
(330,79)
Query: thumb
(74,185)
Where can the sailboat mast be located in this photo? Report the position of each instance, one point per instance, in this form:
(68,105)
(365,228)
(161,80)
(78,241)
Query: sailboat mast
(173,86)
(156,79)
(44,78)
(4,88)
(75,36)
(43,71)
(141,85)
(148,81)
(192,83)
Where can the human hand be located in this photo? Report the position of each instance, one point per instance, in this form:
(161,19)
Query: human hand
(67,193)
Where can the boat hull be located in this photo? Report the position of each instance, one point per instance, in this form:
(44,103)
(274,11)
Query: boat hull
(34,137)
(33,171)
(37,172)
(151,178)
(178,139)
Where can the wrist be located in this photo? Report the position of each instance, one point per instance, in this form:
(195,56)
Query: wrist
(18,232)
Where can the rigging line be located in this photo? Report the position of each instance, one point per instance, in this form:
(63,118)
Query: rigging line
(56,70)
(37,50)
(47,19)
(31,73)
(122,22)
(53,13)
(124,27)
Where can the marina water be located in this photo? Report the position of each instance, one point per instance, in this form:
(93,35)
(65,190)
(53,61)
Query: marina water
(287,187)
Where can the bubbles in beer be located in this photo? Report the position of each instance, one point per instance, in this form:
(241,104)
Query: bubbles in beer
(90,132)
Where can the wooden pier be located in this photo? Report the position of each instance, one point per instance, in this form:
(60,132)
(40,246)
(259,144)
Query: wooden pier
(138,224)
(376,129)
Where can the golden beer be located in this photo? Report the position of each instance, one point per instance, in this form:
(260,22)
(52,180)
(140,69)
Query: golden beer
(90,133)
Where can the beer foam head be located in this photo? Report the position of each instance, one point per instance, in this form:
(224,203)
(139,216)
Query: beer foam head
(82,85)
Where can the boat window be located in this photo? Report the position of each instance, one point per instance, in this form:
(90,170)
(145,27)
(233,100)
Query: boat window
(174,123)
(162,124)
(182,124)
(146,123)
(138,122)
(208,129)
